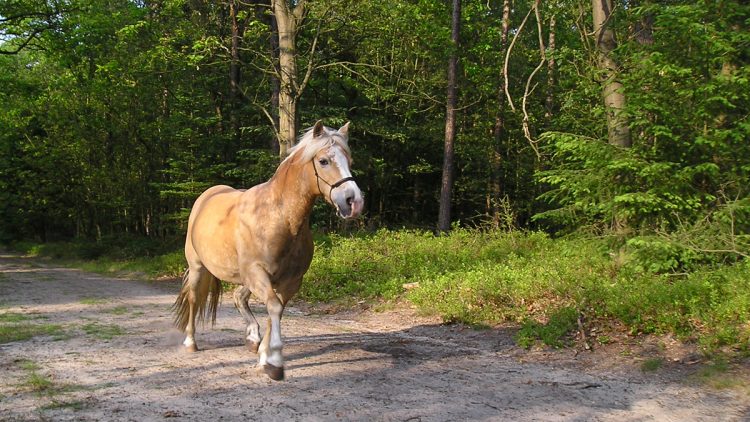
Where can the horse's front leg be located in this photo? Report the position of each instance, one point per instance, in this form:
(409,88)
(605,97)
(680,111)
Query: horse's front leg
(252,330)
(270,358)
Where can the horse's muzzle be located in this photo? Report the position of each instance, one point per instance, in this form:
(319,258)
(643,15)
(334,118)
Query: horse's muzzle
(348,200)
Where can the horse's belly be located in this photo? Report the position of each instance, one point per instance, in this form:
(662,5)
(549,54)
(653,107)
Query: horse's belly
(219,260)
(212,237)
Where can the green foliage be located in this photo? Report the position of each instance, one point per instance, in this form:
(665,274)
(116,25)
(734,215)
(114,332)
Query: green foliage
(552,333)
(131,255)
(378,265)
(490,277)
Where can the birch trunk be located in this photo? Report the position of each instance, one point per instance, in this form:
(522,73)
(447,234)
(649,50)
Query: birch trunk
(287,21)
(618,132)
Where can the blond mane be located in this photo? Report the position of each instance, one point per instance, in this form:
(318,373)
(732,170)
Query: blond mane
(308,145)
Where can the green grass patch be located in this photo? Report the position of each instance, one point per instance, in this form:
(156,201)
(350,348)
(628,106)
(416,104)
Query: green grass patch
(28,365)
(103,331)
(61,404)
(19,327)
(552,333)
(14,317)
(94,301)
(118,310)
(115,254)
(43,385)
(651,364)
(38,383)
(719,375)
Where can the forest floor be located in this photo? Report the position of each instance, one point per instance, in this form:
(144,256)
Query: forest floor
(105,349)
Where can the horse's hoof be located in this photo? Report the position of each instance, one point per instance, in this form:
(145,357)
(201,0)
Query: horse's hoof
(274,372)
(252,346)
(192,348)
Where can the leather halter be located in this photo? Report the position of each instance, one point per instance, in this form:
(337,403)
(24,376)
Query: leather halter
(332,186)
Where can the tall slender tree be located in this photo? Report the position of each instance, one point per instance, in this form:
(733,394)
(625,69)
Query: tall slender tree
(444,214)
(499,126)
(618,132)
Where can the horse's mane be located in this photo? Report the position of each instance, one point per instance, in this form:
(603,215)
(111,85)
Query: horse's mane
(308,145)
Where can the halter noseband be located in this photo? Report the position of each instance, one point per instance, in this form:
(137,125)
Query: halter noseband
(333,186)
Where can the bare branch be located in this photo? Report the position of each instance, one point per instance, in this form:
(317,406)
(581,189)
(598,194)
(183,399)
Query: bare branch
(507,57)
(299,88)
(527,91)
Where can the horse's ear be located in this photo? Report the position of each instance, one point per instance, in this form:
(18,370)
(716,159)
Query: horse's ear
(344,130)
(318,129)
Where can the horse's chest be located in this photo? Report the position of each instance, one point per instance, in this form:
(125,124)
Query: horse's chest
(293,260)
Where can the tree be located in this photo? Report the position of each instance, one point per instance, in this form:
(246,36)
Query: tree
(446,187)
(288,20)
(612,89)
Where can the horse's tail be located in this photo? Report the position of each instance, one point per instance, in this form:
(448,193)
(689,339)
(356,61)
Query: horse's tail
(208,291)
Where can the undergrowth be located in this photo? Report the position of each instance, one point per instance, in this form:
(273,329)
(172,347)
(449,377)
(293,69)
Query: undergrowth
(476,277)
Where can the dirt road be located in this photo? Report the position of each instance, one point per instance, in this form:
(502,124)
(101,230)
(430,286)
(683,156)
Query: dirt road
(106,350)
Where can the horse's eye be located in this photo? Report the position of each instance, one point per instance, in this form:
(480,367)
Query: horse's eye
(323,162)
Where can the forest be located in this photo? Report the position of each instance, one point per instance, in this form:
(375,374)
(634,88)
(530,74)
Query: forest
(624,120)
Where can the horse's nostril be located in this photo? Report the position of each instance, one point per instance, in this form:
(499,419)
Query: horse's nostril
(349,200)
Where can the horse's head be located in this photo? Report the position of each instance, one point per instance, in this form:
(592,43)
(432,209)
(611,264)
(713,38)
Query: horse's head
(330,159)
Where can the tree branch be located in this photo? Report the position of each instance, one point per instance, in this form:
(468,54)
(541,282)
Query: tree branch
(507,57)
(26,42)
(525,124)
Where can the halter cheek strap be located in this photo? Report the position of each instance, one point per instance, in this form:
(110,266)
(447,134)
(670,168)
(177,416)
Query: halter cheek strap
(332,186)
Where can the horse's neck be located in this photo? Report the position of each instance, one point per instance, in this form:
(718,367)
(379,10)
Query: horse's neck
(291,188)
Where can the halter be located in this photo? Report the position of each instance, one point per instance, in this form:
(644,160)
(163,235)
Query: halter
(333,186)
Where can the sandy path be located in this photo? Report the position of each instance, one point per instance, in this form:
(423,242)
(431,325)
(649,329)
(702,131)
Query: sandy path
(353,366)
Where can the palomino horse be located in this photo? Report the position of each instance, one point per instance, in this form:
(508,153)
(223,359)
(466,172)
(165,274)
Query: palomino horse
(260,239)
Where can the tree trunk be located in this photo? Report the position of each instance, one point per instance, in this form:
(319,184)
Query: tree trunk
(618,132)
(497,131)
(287,20)
(234,74)
(444,217)
(275,82)
(549,102)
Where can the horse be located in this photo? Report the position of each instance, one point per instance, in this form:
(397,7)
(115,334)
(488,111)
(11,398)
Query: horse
(260,239)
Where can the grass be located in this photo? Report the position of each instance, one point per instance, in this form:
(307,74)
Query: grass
(491,277)
(93,301)
(44,386)
(118,310)
(38,383)
(19,327)
(651,364)
(13,317)
(552,333)
(115,254)
(103,331)
(543,284)
(57,404)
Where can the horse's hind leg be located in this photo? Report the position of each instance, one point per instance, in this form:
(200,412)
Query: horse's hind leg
(186,307)
(252,331)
